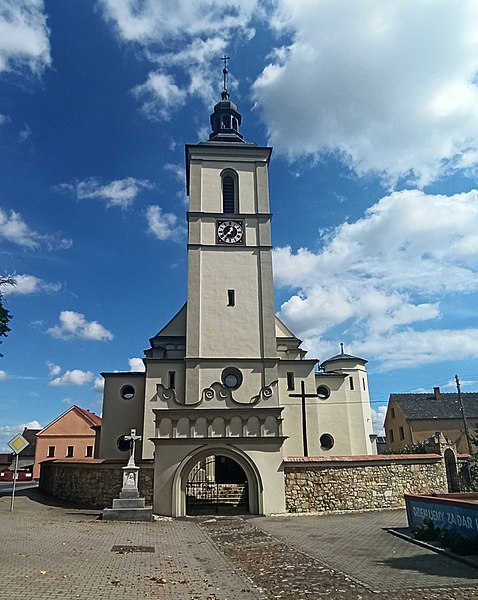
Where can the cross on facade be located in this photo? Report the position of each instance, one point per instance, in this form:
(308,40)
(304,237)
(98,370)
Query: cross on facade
(303,397)
(132,438)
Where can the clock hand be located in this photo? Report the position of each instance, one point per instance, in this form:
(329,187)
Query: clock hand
(229,231)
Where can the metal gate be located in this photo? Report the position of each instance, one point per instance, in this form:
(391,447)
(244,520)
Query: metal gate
(205,496)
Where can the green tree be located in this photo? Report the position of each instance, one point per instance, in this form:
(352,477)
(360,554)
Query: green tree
(5,316)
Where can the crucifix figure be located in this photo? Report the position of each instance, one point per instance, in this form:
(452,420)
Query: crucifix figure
(303,396)
(132,438)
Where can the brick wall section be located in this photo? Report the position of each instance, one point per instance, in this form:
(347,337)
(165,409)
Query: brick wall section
(316,484)
(91,482)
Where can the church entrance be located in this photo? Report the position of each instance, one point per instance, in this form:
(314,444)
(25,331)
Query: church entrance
(217,485)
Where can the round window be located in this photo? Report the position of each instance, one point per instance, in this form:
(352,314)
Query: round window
(123,444)
(127,392)
(326,441)
(231,378)
(323,392)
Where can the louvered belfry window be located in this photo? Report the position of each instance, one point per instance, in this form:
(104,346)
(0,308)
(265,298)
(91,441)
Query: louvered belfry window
(228,203)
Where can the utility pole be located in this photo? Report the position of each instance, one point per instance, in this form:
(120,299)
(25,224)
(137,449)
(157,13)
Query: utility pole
(465,424)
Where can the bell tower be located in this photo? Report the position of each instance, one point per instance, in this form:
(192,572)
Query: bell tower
(230,306)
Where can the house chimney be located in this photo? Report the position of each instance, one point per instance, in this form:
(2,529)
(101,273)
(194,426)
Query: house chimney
(436,393)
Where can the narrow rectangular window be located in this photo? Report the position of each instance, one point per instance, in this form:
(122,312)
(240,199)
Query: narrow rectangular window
(402,435)
(393,413)
(172,380)
(51,451)
(290,380)
(351,383)
(69,452)
(89,451)
(363,383)
(231,297)
(390,435)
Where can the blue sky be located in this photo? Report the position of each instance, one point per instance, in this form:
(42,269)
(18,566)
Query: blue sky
(371,108)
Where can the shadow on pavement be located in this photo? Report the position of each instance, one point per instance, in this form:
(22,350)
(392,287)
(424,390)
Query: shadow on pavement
(34,494)
(429,565)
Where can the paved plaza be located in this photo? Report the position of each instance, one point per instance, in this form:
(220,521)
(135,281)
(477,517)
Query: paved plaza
(52,552)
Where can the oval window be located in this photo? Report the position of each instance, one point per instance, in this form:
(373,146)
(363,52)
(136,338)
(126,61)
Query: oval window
(127,392)
(326,441)
(122,444)
(323,392)
(231,378)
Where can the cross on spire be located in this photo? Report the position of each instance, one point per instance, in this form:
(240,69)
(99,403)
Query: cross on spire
(225,71)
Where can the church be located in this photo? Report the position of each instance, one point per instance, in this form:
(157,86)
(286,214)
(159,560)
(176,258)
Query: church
(228,392)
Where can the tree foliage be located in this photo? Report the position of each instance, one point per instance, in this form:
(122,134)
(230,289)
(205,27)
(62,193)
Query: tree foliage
(5,316)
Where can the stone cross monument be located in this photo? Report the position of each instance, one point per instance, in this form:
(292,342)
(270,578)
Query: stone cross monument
(129,506)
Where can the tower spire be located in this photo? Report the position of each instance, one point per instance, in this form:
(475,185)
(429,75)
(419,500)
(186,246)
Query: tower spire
(225,120)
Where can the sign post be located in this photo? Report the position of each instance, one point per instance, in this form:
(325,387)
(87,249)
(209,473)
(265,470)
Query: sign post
(17,444)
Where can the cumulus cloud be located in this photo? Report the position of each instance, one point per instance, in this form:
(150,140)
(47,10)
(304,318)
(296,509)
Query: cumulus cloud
(163,226)
(189,38)
(4,119)
(386,279)
(120,193)
(74,377)
(73,325)
(136,364)
(53,369)
(24,41)
(30,284)
(14,229)
(389,87)
(3,375)
(378,419)
(99,384)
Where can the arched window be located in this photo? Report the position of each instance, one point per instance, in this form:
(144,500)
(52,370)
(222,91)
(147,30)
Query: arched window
(228,194)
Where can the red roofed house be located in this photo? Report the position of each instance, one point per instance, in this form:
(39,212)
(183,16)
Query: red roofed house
(71,435)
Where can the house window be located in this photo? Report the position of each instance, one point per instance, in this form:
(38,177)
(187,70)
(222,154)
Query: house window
(69,451)
(231,297)
(326,441)
(290,380)
(51,451)
(390,435)
(351,383)
(229,193)
(363,384)
(401,433)
(172,380)
(89,451)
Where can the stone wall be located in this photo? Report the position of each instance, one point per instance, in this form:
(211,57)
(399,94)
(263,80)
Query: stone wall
(91,482)
(357,483)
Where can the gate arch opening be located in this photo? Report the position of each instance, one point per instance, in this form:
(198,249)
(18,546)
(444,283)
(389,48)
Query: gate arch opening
(217,485)
(217,481)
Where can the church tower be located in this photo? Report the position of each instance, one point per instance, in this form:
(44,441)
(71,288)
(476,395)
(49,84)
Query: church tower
(227,392)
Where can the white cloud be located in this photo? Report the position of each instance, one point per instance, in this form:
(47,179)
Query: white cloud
(54,369)
(163,225)
(385,280)
(378,418)
(99,384)
(3,375)
(120,193)
(136,364)
(14,229)
(73,325)
(24,34)
(24,134)
(190,36)
(178,170)
(74,377)
(4,119)
(29,284)
(389,87)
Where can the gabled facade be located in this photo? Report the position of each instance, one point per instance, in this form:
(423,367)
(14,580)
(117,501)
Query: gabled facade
(225,380)
(70,436)
(413,418)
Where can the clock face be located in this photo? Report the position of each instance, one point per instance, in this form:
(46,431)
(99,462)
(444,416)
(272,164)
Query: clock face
(230,232)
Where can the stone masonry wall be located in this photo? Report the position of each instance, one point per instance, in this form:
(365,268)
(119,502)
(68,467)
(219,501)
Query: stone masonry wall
(358,483)
(91,483)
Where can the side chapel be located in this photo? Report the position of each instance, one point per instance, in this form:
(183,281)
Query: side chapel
(228,392)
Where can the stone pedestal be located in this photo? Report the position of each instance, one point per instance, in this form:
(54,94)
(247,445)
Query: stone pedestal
(129,506)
